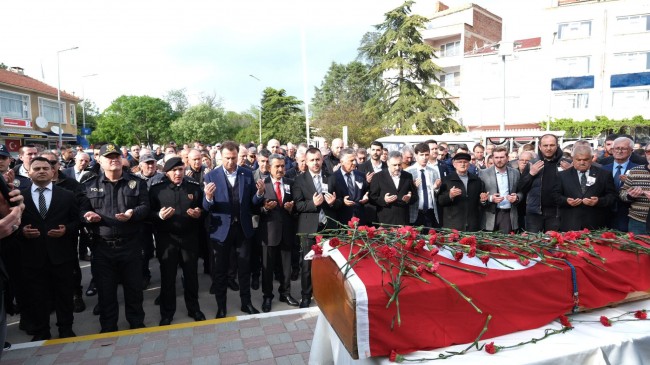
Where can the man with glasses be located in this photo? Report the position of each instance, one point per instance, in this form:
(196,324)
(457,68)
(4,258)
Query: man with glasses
(621,150)
(119,204)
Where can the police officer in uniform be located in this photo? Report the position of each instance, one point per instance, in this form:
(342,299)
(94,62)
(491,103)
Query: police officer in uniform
(120,204)
(176,215)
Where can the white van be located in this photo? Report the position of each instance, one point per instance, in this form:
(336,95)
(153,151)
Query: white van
(453,140)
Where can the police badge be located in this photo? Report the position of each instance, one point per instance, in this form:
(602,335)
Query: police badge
(16,183)
(190,196)
(132,184)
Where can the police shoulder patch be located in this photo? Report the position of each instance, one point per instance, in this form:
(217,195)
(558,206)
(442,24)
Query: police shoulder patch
(133,184)
(16,183)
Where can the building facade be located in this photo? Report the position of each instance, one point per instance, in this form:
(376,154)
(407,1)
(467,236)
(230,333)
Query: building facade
(30,113)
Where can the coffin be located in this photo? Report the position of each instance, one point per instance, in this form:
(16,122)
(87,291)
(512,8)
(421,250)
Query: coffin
(434,315)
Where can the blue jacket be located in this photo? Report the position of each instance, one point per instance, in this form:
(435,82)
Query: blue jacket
(219,208)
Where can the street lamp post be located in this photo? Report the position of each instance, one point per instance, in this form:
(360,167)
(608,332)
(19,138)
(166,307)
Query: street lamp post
(260,113)
(83,104)
(58,93)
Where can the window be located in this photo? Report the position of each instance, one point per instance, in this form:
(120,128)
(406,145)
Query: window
(574,30)
(572,101)
(572,66)
(450,80)
(14,105)
(633,24)
(73,116)
(449,49)
(49,109)
(630,99)
(632,62)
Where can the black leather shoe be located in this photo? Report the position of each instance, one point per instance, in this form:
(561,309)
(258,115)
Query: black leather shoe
(266,305)
(96,310)
(255,282)
(136,326)
(42,336)
(92,290)
(289,300)
(198,316)
(165,321)
(221,313)
(233,285)
(66,333)
(304,303)
(157,300)
(248,308)
(295,274)
(78,304)
(7,345)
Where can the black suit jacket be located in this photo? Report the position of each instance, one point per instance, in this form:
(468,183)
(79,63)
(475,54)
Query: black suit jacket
(63,210)
(337,184)
(277,225)
(567,185)
(303,194)
(464,211)
(397,212)
(366,167)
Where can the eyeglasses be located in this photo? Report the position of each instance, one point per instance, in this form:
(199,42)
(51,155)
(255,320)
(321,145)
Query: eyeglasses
(620,149)
(647,152)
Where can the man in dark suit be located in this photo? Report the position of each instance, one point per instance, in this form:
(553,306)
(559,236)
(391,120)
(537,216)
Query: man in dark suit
(277,232)
(230,194)
(350,188)
(393,191)
(462,195)
(314,204)
(48,229)
(584,193)
(637,159)
(80,167)
(374,164)
(621,150)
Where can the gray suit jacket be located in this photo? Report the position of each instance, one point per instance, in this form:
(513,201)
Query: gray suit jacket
(489,178)
(432,176)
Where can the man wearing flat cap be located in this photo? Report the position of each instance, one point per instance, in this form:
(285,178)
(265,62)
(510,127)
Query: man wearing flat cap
(176,214)
(462,196)
(120,204)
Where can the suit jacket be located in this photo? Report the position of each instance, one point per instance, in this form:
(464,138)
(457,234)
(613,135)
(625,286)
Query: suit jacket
(303,194)
(63,210)
(620,208)
(338,185)
(219,209)
(397,212)
(277,225)
(489,178)
(69,172)
(366,167)
(464,211)
(432,175)
(567,185)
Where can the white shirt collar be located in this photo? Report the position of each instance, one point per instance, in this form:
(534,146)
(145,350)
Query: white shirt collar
(36,187)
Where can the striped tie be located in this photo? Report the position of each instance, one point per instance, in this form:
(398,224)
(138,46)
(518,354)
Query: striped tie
(42,206)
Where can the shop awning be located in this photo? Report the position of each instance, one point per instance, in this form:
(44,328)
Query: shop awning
(22,133)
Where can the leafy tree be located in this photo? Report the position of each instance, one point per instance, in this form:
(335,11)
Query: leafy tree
(3,66)
(205,123)
(92,114)
(282,117)
(178,100)
(600,126)
(134,119)
(410,91)
(340,101)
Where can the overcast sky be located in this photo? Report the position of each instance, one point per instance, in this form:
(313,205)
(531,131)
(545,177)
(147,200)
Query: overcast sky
(149,47)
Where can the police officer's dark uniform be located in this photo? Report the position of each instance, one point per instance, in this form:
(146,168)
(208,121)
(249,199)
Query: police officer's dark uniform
(177,239)
(117,252)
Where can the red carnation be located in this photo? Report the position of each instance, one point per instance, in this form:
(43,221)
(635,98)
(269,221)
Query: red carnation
(608,235)
(458,255)
(433,266)
(395,357)
(485,259)
(491,349)
(605,321)
(523,261)
(564,320)
(472,251)
(419,245)
(420,269)
(434,251)
(353,222)
(471,240)
(319,238)
(432,231)
(641,314)
(317,249)
(334,242)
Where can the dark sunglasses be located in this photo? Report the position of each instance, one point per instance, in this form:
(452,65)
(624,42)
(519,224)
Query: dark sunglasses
(53,162)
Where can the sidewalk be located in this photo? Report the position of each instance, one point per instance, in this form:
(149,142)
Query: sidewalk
(282,337)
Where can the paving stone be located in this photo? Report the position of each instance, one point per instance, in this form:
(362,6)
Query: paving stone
(279,338)
(250,332)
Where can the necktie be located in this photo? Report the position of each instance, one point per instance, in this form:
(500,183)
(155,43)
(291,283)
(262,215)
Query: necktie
(278,192)
(425,192)
(42,206)
(319,189)
(617,176)
(583,182)
(348,181)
